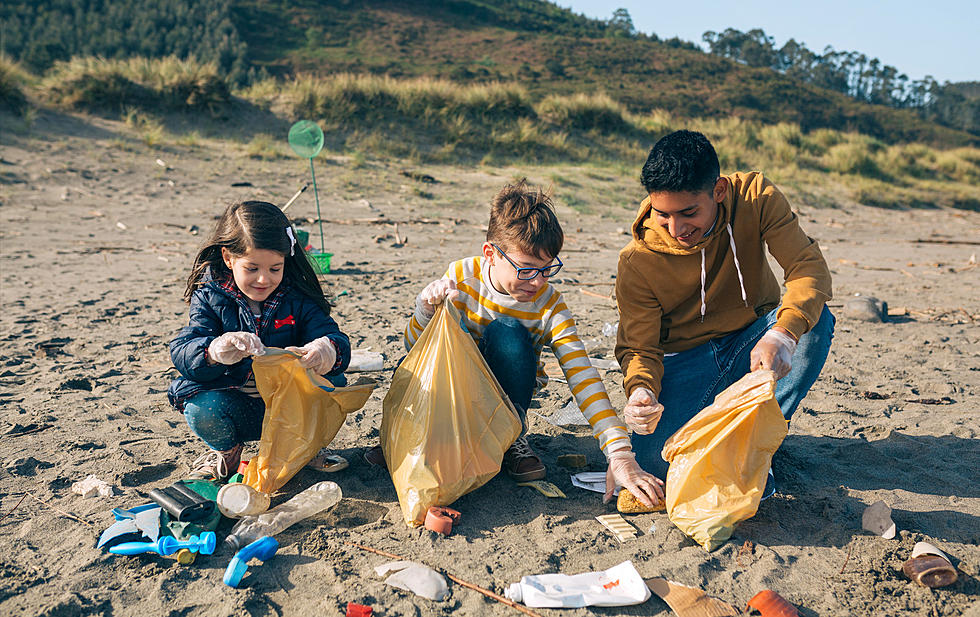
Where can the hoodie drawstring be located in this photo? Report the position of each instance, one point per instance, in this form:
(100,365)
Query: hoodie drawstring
(738,269)
(703,305)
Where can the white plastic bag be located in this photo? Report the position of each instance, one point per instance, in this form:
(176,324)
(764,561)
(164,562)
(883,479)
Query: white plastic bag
(620,585)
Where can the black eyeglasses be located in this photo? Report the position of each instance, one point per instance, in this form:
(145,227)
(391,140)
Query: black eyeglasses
(529,274)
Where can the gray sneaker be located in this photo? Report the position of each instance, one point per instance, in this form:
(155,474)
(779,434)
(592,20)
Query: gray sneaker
(216,465)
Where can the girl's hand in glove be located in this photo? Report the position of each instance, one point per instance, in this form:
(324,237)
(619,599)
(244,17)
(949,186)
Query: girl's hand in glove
(774,351)
(233,347)
(433,295)
(320,354)
(625,471)
(642,411)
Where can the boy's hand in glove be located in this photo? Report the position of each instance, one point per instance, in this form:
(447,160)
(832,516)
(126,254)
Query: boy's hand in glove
(233,347)
(625,471)
(434,294)
(320,354)
(642,411)
(774,351)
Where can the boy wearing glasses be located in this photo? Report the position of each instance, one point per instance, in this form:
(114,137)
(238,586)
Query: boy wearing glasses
(699,305)
(511,310)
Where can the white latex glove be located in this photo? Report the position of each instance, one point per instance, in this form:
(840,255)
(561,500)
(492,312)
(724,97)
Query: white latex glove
(320,354)
(233,347)
(433,295)
(642,411)
(624,471)
(774,351)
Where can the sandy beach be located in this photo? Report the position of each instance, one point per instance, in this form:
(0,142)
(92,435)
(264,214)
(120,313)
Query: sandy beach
(97,232)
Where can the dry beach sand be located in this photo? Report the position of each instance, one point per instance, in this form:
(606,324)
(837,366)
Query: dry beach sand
(95,243)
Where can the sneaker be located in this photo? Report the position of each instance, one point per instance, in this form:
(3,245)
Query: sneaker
(770,488)
(216,465)
(326,460)
(376,457)
(521,463)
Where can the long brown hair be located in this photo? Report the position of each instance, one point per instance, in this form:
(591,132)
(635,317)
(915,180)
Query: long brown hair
(250,225)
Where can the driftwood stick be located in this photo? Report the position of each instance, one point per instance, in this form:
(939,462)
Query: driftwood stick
(455,579)
(62,512)
(11,511)
(941,241)
(295,196)
(595,295)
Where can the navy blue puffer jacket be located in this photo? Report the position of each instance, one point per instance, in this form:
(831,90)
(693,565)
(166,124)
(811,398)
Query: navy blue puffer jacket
(297,320)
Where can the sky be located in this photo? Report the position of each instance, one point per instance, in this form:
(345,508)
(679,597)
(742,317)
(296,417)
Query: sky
(924,37)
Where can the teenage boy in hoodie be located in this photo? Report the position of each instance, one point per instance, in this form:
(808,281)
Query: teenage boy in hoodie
(699,305)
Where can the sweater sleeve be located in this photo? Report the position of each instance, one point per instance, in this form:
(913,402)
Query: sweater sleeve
(638,347)
(805,271)
(584,381)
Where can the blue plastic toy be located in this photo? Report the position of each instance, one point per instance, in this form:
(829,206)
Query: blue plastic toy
(168,545)
(263,548)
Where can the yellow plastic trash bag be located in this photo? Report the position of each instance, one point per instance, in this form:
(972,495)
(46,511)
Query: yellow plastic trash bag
(719,460)
(446,421)
(303,412)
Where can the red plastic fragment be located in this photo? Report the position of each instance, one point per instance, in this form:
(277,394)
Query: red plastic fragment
(358,610)
(440,519)
(771,604)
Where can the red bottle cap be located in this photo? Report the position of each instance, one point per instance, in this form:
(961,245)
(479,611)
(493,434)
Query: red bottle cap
(440,519)
(358,610)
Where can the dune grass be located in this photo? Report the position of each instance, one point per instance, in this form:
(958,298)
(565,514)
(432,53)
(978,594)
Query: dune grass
(13,82)
(441,121)
(165,84)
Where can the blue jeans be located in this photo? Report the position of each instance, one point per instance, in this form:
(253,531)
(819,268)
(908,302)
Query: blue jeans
(693,378)
(224,418)
(507,348)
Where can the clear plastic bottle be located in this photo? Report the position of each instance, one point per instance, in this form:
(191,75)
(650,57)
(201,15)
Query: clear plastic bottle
(319,497)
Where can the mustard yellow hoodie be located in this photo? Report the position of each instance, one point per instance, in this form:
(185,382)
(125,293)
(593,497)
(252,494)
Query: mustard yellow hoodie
(672,298)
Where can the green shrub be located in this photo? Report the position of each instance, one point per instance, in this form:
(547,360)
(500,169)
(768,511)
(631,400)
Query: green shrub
(166,84)
(585,112)
(852,158)
(13,80)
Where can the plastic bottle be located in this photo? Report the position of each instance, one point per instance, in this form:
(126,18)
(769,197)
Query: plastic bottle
(620,585)
(238,500)
(319,497)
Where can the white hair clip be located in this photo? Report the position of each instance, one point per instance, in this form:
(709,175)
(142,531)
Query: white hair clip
(292,240)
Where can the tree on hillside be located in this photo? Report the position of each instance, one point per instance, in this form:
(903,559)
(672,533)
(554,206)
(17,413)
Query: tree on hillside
(621,23)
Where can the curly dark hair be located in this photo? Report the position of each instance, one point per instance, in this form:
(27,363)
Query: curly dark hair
(682,162)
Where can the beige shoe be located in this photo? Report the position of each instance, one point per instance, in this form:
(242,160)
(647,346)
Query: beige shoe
(216,465)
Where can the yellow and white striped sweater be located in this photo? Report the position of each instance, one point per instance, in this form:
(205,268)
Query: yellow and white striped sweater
(549,322)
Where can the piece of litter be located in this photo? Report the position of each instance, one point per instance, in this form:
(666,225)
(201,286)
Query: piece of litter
(415,577)
(545,488)
(604,364)
(121,225)
(610,329)
(877,519)
(567,415)
(363,360)
(689,601)
(594,481)
(161,163)
(620,585)
(653,528)
(572,461)
(618,526)
(91,487)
